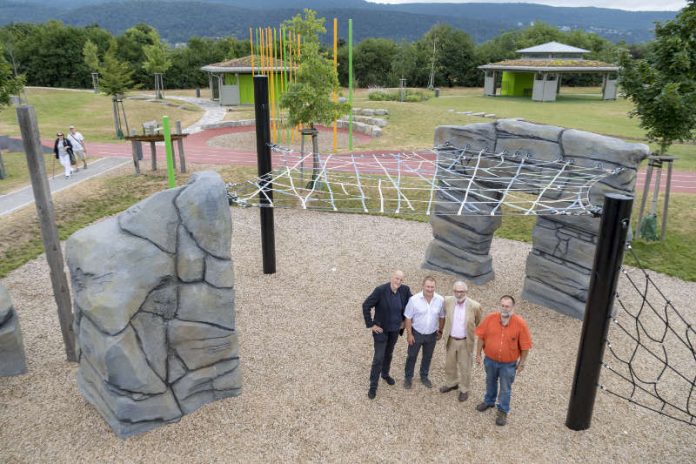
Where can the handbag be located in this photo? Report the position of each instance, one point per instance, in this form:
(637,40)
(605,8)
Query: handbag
(72,157)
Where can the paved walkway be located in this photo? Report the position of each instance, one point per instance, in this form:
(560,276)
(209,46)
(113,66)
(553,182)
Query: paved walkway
(25,196)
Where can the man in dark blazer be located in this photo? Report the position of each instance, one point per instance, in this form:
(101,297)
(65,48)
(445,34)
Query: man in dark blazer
(389,301)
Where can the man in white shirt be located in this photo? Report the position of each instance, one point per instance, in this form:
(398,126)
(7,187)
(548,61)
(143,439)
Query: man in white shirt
(78,144)
(425,317)
(462,316)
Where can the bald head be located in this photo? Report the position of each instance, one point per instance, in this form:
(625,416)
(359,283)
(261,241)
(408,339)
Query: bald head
(396,278)
(460,289)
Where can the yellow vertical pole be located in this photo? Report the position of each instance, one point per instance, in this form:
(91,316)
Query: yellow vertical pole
(271,86)
(335,95)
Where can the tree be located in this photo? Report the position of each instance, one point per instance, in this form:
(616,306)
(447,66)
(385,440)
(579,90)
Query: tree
(663,85)
(453,53)
(157,62)
(309,99)
(9,83)
(116,79)
(372,62)
(89,52)
(130,49)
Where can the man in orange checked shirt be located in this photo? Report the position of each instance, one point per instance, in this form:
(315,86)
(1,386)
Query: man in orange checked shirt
(506,341)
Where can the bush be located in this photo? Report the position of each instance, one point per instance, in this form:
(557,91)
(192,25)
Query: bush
(412,96)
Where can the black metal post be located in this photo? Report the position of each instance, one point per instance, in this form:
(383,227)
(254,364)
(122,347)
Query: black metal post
(600,300)
(263,151)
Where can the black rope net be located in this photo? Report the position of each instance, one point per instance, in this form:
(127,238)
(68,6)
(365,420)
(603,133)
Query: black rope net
(650,359)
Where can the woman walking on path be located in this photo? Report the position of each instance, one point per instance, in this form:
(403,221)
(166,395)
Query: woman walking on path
(62,148)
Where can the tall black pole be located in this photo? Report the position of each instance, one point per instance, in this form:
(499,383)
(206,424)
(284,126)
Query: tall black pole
(263,153)
(600,300)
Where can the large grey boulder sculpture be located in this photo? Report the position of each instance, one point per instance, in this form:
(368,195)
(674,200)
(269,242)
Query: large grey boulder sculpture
(12,359)
(154,307)
(559,265)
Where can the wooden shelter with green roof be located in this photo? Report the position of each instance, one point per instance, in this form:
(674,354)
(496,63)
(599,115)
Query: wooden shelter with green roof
(537,73)
(232,82)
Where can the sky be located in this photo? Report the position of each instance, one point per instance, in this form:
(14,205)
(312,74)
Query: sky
(631,5)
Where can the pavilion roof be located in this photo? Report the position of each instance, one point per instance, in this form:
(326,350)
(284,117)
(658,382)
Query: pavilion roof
(551,65)
(553,47)
(244,65)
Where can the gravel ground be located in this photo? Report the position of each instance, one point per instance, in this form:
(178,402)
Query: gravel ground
(306,357)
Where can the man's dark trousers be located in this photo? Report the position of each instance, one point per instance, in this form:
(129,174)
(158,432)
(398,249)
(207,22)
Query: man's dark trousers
(384,349)
(428,344)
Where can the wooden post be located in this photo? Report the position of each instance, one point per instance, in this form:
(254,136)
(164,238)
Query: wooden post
(153,151)
(26,116)
(3,174)
(644,198)
(134,149)
(180,143)
(668,187)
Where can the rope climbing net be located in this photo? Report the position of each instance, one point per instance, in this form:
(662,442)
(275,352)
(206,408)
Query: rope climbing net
(652,354)
(446,180)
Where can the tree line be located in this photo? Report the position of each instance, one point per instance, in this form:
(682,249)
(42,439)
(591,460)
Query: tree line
(53,54)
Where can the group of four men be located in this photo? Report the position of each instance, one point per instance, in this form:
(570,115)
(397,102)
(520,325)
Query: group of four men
(427,317)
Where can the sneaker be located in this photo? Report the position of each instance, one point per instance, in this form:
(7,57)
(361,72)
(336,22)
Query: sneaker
(444,389)
(501,418)
(427,383)
(483,406)
(389,379)
(371,394)
(407,384)
(463,396)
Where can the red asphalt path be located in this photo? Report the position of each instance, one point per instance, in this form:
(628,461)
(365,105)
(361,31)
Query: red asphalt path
(198,151)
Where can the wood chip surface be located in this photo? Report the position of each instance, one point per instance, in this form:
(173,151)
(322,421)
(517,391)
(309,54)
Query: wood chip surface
(306,357)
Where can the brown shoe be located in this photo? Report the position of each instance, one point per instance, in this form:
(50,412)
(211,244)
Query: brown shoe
(445,389)
(463,396)
(501,418)
(483,406)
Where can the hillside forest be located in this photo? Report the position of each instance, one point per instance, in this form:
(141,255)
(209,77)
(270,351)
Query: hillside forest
(52,54)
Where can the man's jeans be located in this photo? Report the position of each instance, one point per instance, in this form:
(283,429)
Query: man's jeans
(428,344)
(381,362)
(506,373)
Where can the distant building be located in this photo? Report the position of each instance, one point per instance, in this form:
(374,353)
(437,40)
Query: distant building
(537,73)
(232,82)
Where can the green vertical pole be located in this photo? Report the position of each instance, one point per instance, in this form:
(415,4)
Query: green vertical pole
(350,84)
(168,150)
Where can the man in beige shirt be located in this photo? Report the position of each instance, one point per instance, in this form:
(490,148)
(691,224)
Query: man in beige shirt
(462,316)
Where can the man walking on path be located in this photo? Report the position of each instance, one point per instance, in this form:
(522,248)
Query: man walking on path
(389,301)
(425,317)
(506,341)
(462,316)
(78,146)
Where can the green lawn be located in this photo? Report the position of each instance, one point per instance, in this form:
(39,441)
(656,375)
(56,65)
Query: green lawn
(412,125)
(92,114)
(17,172)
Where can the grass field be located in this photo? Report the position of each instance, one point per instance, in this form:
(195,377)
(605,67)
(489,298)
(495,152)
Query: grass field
(92,114)
(412,125)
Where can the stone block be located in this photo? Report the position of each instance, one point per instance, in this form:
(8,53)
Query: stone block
(581,144)
(476,136)
(538,149)
(514,128)
(155,339)
(204,211)
(545,295)
(564,276)
(445,258)
(12,357)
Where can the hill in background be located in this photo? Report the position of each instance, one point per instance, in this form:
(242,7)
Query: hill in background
(178,20)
